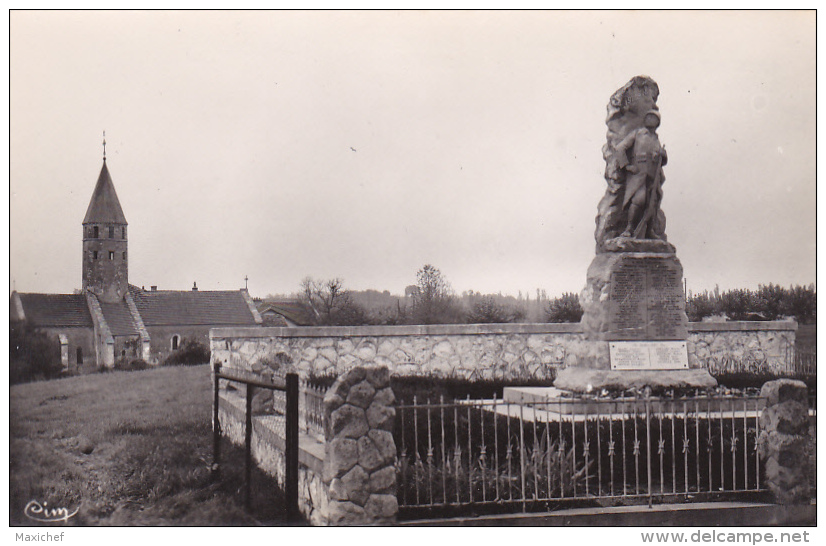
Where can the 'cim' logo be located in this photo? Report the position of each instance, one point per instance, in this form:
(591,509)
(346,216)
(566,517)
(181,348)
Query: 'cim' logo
(37,512)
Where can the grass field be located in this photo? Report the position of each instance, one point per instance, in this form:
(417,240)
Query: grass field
(129,448)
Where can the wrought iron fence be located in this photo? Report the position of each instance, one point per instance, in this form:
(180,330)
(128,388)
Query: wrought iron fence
(521,456)
(310,408)
(805,363)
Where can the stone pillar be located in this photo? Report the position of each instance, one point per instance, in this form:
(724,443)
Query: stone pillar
(784,429)
(360,453)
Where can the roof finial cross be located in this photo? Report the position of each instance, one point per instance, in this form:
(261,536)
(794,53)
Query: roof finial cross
(245,282)
(104,145)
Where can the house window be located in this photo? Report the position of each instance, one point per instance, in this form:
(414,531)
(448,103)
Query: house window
(111,232)
(95,232)
(111,255)
(94,254)
(176,339)
(123,232)
(124,255)
(79,356)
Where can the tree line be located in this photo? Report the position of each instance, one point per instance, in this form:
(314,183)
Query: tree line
(768,302)
(432,301)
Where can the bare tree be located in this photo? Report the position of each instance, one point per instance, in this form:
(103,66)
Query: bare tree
(330,304)
(433,302)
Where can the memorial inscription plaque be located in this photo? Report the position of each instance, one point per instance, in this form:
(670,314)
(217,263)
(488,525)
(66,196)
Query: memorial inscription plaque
(646,301)
(648,355)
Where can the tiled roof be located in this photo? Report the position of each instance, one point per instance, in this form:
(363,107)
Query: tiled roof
(56,310)
(292,310)
(104,207)
(118,318)
(173,307)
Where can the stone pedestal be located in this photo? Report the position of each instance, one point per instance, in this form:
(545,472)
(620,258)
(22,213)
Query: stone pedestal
(632,296)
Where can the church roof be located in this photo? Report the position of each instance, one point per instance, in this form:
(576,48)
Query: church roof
(192,308)
(56,310)
(104,207)
(118,318)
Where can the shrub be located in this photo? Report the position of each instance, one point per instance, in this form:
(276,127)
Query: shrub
(700,306)
(33,355)
(487,311)
(130,364)
(564,309)
(190,353)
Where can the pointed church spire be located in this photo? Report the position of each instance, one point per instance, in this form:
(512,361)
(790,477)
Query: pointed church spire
(104,207)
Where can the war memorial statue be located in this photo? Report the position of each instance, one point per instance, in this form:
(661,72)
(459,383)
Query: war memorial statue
(634,322)
(630,212)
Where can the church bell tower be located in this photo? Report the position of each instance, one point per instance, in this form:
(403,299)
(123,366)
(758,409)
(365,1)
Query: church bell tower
(105,258)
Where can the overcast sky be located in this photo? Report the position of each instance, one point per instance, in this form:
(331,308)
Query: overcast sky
(363,145)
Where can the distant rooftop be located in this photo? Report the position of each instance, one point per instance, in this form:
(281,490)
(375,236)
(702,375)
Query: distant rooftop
(292,310)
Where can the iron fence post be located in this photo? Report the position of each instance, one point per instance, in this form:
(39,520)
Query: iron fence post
(291,447)
(216,425)
(248,448)
(648,440)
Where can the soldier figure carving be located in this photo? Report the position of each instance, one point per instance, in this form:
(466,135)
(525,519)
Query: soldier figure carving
(629,217)
(643,185)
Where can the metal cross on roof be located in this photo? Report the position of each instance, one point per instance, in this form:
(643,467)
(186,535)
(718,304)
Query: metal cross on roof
(104,145)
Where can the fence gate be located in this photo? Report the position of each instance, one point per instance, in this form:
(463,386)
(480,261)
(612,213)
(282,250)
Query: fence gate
(288,385)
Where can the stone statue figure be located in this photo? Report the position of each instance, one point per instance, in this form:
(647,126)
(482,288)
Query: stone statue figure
(643,187)
(629,216)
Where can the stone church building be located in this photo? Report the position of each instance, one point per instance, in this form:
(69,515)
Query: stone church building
(111,319)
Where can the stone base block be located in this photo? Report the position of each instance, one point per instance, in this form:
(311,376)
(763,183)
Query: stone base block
(589,380)
(634,296)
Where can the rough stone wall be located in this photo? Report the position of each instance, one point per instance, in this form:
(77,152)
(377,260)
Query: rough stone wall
(360,453)
(759,351)
(354,481)
(784,429)
(510,351)
(449,351)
